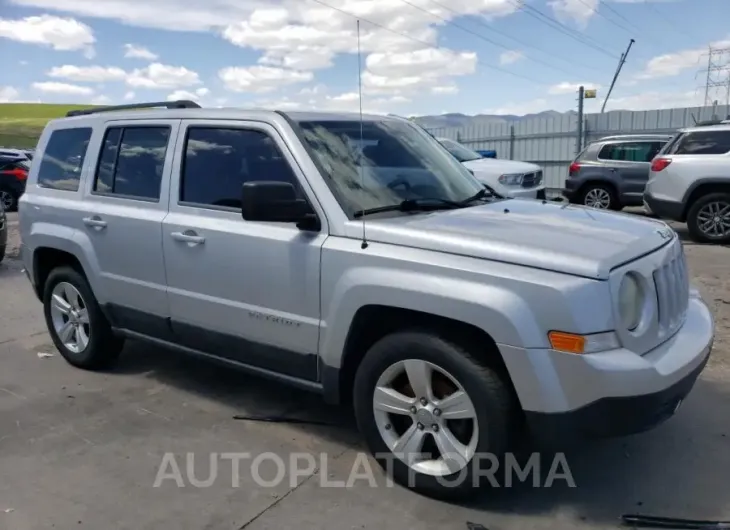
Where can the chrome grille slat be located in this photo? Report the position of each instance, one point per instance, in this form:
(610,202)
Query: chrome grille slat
(671,282)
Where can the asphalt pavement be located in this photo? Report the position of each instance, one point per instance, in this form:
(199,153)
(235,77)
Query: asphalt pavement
(150,445)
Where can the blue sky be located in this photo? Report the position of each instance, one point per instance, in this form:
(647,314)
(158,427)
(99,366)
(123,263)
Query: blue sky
(418,56)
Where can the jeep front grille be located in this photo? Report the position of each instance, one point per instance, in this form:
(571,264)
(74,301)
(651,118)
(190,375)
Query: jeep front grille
(672,288)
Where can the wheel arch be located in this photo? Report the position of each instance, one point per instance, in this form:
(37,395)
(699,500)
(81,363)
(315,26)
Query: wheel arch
(703,187)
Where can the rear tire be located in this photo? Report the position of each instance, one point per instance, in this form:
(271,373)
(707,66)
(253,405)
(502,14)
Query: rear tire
(9,200)
(708,219)
(482,422)
(79,329)
(600,197)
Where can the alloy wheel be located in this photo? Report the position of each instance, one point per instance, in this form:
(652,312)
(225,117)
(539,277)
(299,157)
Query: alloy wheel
(70,317)
(7,200)
(598,198)
(713,220)
(425,417)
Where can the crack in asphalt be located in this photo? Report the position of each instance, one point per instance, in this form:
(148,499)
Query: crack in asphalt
(292,490)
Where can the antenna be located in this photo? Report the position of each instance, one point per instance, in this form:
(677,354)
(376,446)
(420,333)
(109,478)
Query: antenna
(364,244)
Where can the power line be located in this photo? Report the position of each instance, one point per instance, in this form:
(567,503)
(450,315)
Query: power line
(422,42)
(518,41)
(562,28)
(482,37)
(666,18)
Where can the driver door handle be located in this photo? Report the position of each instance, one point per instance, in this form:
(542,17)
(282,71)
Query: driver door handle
(95,222)
(189,236)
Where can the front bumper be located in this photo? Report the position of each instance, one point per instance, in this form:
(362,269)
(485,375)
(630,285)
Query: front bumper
(568,397)
(671,210)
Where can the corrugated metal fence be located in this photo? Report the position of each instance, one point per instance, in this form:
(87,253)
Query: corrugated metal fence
(552,142)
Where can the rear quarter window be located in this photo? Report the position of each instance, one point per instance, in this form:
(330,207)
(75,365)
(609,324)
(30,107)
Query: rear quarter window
(62,159)
(700,143)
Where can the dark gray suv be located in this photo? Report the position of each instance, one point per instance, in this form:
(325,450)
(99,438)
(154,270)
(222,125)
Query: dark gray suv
(612,172)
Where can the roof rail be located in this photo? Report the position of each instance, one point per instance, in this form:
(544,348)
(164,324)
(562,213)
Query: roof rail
(179,104)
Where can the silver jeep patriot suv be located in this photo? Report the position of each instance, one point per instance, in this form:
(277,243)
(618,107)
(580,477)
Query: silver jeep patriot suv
(355,257)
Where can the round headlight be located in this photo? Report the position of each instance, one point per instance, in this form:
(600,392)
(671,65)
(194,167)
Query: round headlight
(630,302)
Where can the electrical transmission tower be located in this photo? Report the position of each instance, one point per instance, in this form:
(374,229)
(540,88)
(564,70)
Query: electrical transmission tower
(717,84)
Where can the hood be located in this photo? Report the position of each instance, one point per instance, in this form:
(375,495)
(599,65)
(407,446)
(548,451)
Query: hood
(546,235)
(497,167)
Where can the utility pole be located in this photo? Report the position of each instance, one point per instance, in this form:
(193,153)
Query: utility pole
(579,141)
(583,94)
(717,75)
(621,62)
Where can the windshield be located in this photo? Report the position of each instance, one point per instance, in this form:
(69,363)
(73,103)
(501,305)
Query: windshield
(388,162)
(461,153)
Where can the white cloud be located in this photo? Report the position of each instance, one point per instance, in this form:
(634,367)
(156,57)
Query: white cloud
(259,79)
(63,34)
(511,56)
(175,15)
(162,76)
(569,88)
(579,11)
(185,94)
(411,71)
(303,36)
(87,74)
(8,94)
(53,87)
(671,64)
(101,100)
(520,109)
(132,51)
(129,96)
(445,89)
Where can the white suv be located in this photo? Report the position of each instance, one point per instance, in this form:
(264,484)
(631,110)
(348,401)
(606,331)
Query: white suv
(510,178)
(690,182)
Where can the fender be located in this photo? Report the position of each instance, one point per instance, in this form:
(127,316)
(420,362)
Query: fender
(488,307)
(76,243)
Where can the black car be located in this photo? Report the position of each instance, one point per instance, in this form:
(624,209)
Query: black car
(13,175)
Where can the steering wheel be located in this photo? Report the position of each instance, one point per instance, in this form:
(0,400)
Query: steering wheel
(400,181)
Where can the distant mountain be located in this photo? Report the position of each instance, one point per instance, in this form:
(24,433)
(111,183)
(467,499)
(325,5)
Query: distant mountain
(463,120)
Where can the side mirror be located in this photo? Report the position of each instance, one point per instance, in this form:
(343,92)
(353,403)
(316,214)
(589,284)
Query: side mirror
(276,202)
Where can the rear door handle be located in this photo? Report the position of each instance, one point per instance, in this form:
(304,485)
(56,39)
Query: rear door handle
(95,222)
(189,236)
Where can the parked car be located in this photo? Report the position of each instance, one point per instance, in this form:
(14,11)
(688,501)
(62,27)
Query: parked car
(13,176)
(508,177)
(3,232)
(690,182)
(612,172)
(13,153)
(450,317)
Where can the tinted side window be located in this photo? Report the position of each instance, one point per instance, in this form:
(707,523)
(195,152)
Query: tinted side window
(218,162)
(702,143)
(630,151)
(63,158)
(131,161)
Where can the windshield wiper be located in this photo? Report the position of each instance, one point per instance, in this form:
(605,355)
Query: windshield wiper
(426,204)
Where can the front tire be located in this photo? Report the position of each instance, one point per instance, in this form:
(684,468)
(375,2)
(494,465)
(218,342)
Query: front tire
(79,329)
(418,393)
(708,219)
(600,197)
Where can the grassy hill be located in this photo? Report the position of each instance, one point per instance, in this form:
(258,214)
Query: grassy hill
(21,123)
